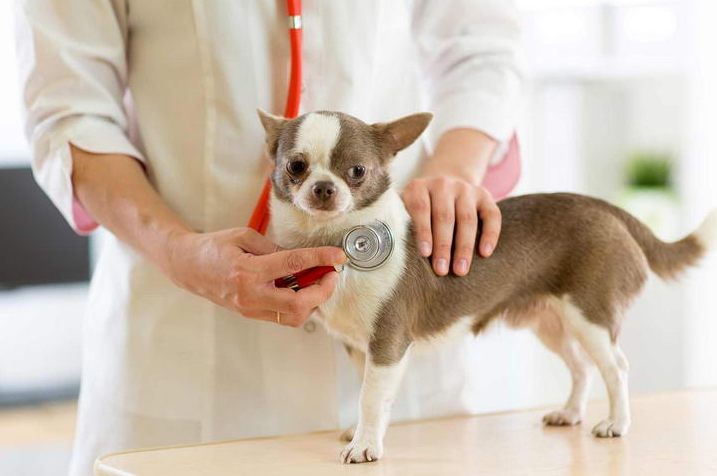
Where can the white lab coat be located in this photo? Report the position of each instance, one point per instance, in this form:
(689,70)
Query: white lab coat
(162,366)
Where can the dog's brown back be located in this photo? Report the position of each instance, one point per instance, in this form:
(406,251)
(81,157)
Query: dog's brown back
(550,245)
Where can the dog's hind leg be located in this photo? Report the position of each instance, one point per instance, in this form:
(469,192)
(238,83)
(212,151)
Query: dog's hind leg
(597,342)
(549,329)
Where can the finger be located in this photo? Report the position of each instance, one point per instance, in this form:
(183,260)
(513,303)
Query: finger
(282,301)
(313,296)
(418,204)
(442,223)
(255,243)
(291,320)
(466,230)
(283,318)
(261,314)
(299,303)
(284,263)
(492,222)
(316,294)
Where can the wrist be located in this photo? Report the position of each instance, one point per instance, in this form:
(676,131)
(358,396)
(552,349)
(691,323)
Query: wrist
(462,154)
(473,177)
(174,241)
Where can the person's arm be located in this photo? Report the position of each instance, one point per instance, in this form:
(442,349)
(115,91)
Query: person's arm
(73,69)
(114,190)
(469,53)
(234,268)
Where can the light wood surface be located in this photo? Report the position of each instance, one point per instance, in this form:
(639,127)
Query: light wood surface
(672,434)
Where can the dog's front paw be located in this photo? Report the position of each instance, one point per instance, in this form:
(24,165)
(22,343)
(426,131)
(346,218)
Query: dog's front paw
(611,428)
(348,434)
(361,451)
(562,417)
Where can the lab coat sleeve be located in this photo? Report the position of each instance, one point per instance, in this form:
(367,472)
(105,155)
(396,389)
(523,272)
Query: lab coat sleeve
(73,74)
(469,54)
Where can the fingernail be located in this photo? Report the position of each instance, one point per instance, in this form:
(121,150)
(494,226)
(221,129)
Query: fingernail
(462,266)
(487,249)
(442,266)
(341,258)
(424,248)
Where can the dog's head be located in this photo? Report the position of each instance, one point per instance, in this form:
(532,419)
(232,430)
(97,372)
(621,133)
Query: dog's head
(329,163)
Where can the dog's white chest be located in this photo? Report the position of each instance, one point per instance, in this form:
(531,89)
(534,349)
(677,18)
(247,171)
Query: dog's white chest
(351,311)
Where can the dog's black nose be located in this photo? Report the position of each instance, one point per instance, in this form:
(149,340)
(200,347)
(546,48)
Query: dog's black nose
(324,190)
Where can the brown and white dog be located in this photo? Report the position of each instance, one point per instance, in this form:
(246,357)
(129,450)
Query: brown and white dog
(566,266)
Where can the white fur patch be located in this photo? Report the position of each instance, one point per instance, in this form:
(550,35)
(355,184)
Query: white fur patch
(344,201)
(380,385)
(460,328)
(317,136)
(351,311)
(547,323)
(613,366)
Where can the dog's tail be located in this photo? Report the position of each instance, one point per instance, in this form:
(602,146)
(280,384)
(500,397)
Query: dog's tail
(668,260)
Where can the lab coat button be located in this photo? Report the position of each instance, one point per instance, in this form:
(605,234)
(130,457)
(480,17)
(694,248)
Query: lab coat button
(310,327)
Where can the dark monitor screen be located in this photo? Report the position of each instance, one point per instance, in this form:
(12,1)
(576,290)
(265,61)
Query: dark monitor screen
(37,246)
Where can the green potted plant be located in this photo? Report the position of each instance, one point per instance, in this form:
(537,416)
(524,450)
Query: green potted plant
(649,192)
(652,171)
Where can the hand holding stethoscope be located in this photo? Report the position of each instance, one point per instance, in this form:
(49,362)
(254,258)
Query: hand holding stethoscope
(236,269)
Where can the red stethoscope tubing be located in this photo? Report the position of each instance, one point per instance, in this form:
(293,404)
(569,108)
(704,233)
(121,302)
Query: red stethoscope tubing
(259,220)
(260,217)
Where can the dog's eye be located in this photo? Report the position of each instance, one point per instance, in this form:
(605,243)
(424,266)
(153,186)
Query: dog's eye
(296,167)
(356,172)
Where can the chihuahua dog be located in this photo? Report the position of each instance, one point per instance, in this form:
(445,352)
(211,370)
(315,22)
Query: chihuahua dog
(566,265)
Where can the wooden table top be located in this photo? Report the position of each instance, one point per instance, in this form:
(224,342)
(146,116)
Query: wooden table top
(672,434)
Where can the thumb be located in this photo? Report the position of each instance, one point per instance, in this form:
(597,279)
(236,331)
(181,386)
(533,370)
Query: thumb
(288,262)
(255,243)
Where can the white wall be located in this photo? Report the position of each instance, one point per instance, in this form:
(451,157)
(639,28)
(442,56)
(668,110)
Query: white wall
(698,175)
(40,336)
(40,326)
(596,108)
(13,147)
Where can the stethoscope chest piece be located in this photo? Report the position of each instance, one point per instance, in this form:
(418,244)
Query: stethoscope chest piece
(368,246)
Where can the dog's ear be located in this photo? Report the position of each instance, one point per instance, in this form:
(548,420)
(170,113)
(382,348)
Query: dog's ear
(399,134)
(272,125)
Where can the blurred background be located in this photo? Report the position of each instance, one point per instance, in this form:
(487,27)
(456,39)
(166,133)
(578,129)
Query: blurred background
(621,104)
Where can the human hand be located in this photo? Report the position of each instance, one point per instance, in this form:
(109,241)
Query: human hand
(441,203)
(236,269)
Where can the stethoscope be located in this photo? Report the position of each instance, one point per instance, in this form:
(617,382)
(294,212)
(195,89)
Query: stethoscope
(368,246)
